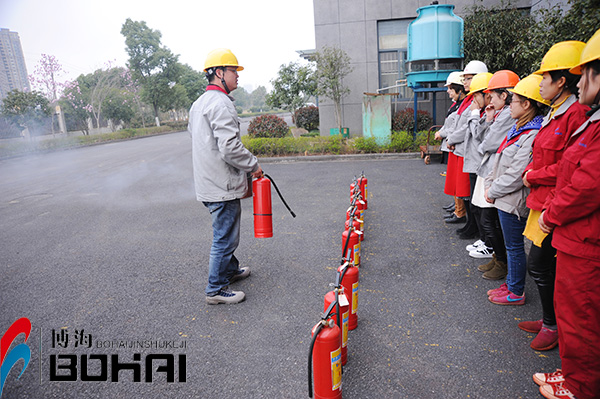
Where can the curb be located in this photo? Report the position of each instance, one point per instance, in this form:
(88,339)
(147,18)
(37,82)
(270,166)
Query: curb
(344,157)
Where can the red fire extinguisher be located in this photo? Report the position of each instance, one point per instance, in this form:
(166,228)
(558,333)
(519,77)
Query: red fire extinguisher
(325,358)
(363,181)
(342,315)
(356,214)
(263,216)
(357,223)
(349,280)
(351,245)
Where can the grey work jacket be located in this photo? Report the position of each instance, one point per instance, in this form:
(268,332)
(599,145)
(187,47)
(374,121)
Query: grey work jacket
(505,183)
(457,136)
(474,136)
(220,160)
(495,133)
(446,129)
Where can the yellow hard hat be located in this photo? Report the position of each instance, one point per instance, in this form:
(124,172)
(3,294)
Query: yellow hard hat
(221,57)
(529,87)
(563,55)
(480,82)
(591,52)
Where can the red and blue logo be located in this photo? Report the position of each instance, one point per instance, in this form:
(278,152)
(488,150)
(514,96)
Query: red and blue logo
(21,351)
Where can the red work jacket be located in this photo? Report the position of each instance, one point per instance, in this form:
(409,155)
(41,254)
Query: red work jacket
(574,207)
(548,148)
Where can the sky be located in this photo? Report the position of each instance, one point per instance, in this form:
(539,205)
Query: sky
(85,35)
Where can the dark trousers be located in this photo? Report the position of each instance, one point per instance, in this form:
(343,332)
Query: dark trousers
(541,265)
(490,224)
(473,212)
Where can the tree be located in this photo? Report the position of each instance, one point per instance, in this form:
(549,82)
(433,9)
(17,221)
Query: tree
(30,110)
(519,40)
(242,98)
(154,66)
(45,77)
(118,106)
(554,25)
(75,104)
(102,84)
(292,87)
(132,87)
(333,64)
(258,97)
(194,83)
(492,35)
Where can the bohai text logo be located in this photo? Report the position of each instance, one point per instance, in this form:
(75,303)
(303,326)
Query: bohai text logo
(21,351)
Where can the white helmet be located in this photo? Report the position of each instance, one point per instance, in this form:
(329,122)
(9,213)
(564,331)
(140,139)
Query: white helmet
(454,77)
(474,67)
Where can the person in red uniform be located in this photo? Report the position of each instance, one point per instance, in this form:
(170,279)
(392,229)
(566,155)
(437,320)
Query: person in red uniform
(573,213)
(559,87)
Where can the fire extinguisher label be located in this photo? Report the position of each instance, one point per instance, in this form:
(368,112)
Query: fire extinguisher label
(336,369)
(366,192)
(354,297)
(357,254)
(345,318)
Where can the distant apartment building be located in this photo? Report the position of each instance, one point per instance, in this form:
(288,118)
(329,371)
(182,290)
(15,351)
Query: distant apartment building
(374,34)
(13,72)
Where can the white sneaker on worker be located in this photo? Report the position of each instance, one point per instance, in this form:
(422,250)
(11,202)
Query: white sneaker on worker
(482,252)
(225,295)
(474,246)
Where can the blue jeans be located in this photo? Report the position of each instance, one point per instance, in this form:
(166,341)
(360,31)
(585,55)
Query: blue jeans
(512,229)
(226,237)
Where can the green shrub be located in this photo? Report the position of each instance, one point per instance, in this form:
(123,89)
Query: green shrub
(268,126)
(404,120)
(366,145)
(307,118)
(177,125)
(401,142)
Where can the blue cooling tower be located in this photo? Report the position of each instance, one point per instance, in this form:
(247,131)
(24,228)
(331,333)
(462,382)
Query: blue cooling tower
(434,44)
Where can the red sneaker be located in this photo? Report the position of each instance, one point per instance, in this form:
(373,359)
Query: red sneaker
(507,298)
(556,391)
(549,378)
(545,340)
(496,291)
(531,326)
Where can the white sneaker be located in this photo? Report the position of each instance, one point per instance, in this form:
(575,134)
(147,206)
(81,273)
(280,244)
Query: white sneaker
(475,245)
(482,252)
(225,295)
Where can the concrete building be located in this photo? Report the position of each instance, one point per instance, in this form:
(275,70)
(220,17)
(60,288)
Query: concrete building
(13,72)
(373,34)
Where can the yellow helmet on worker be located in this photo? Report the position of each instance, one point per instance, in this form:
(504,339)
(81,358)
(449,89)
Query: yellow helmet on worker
(480,82)
(529,87)
(221,57)
(562,55)
(591,52)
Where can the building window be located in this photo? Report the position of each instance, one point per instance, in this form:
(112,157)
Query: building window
(393,43)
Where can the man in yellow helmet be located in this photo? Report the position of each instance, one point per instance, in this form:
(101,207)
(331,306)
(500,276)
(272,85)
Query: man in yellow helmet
(221,166)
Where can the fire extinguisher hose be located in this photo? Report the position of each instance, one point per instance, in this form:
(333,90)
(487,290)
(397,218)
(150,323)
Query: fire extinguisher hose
(320,326)
(280,196)
(310,353)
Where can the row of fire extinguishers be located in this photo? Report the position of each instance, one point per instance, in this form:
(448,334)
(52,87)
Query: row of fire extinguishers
(328,351)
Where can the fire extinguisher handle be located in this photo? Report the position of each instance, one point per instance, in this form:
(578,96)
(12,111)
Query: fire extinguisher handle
(280,196)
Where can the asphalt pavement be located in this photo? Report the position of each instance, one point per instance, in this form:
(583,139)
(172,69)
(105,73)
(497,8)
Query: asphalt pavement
(105,251)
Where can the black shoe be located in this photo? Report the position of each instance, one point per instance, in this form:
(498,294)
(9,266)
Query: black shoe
(468,235)
(462,229)
(449,207)
(455,219)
